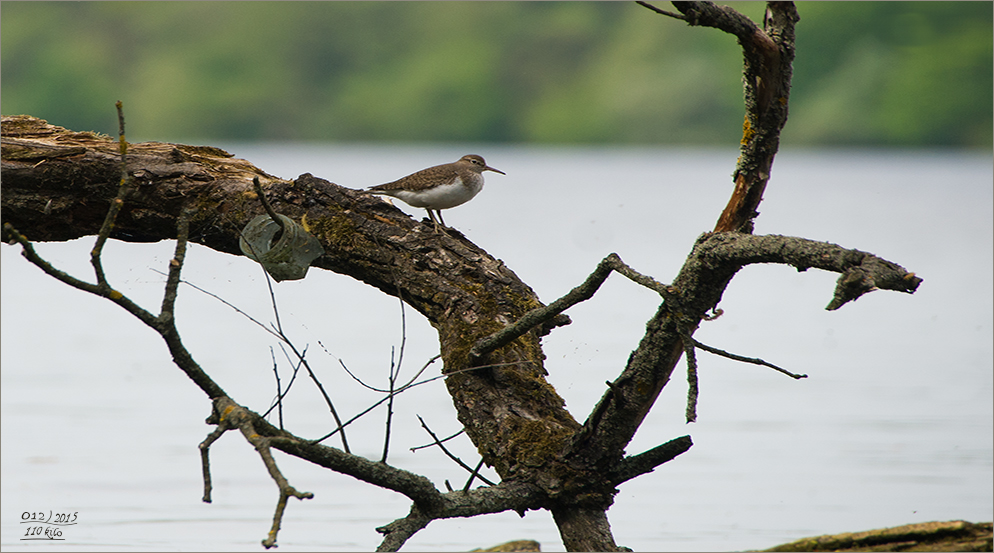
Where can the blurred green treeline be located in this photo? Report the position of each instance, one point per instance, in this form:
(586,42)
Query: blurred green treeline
(866,73)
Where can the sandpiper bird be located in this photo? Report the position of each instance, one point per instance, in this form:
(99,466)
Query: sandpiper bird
(440,187)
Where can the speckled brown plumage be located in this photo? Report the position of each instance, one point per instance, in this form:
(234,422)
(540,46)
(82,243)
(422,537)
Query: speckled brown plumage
(440,187)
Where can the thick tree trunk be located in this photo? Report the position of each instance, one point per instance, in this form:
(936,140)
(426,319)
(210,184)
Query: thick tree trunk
(584,529)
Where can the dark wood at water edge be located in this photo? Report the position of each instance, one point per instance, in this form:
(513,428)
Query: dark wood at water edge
(957,535)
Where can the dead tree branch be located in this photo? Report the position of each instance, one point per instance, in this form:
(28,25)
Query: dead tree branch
(443,277)
(861,272)
(768,67)
(542,315)
(753,360)
(450,455)
(645,462)
(489,323)
(205,459)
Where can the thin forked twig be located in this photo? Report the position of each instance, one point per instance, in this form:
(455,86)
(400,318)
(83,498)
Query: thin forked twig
(451,455)
(278,403)
(237,417)
(278,328)
(391,379)
(476,472)
(394,374)
(277,331)
(384,390)
(581,293)
(280,394)
(407,387)
(327,399)
(753,360)
(689,347)
(443,440)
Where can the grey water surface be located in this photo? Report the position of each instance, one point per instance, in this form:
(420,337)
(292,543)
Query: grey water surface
(893,425)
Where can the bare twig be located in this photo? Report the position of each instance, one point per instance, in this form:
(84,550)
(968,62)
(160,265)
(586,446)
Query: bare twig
(115,205)
(278,402)
(450,454)
(476,472)
(581,293)
(692,390)
(265,204)
(327,399)
(443,440)
(659,11)
(205,462)
(227,303)
(167,310)
(408,386)
(356,378)
(636,465)
(391,379)
(399,531)
(277,331)
(384,390)
(235,416)
(753,360)
(394,373)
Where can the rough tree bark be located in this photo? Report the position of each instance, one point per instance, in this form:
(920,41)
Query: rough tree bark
(57,185)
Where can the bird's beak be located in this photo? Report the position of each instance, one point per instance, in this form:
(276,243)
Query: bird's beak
(488,168)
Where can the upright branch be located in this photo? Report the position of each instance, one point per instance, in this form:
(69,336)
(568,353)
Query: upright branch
(768,66)
(115,205)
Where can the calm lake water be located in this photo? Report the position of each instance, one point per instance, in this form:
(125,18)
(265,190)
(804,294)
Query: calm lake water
(894,425)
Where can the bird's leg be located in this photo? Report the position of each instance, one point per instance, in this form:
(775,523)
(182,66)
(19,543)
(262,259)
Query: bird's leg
(440,218)
(432,217)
